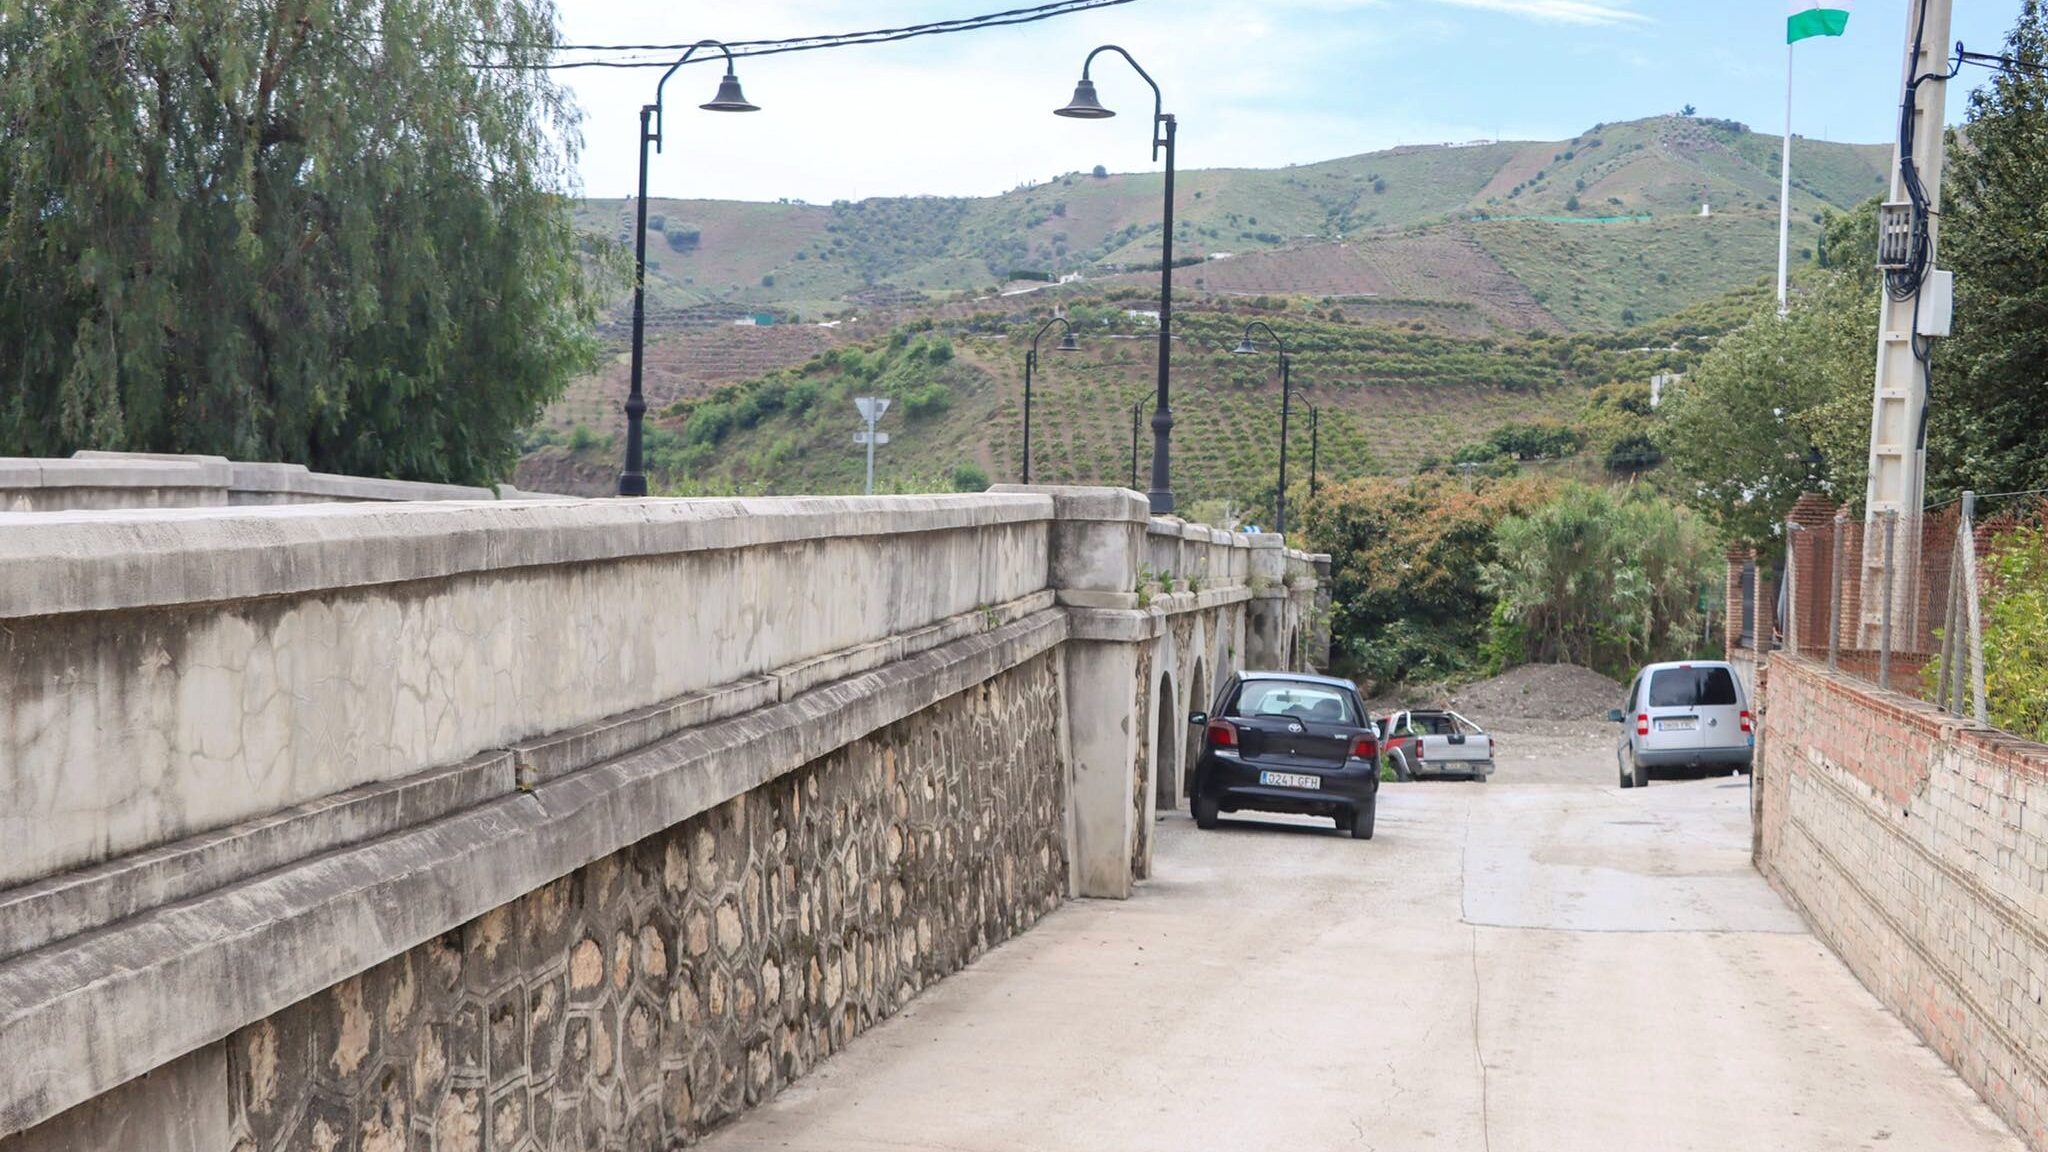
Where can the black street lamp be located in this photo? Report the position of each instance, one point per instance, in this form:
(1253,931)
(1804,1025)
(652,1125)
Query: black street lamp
(633,481)
(1245,347)
(1085,106)
(1066,344)
(1315,424)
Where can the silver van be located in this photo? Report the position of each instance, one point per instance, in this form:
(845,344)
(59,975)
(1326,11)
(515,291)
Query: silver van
(1684,715)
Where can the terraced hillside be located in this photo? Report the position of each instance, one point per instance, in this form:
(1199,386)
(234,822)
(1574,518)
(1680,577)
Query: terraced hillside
(1390,398)
(1481,226)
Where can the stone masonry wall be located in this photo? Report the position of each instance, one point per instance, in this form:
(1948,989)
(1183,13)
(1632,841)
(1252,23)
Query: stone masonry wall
(641,1000)
(1917,847)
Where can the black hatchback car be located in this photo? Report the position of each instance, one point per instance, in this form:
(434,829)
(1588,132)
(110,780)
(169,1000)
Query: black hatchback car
(1288,742)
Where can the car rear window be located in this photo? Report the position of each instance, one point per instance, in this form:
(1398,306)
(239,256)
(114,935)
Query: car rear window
(1312,702)
(1691,687)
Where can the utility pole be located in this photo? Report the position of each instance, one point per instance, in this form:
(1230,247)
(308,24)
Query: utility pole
(1916,306)
(871,409)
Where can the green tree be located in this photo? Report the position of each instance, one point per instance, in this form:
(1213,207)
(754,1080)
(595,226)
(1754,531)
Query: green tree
(1990,382)
(1741,428)
(1598,579)
(318,231)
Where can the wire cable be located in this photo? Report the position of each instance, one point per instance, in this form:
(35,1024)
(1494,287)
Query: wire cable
(1040,11)
(1006,18)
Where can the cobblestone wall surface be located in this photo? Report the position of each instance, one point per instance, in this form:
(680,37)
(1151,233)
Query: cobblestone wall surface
(1918,849)
(641,1000)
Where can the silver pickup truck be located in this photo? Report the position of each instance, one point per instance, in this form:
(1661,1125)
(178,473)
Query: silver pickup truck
(1436,743)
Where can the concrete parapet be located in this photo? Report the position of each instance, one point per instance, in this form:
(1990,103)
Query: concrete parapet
(91,480)
(170,672)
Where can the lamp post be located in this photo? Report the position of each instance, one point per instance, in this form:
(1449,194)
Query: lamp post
(1085,106)
(1245,347)
(1137,410)
(1066,344)
(633,481)
(1315,424)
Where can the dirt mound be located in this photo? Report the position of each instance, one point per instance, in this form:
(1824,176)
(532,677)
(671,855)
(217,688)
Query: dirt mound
(1560,692)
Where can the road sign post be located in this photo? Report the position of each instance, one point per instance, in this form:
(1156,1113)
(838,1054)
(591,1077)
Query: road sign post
(871,409)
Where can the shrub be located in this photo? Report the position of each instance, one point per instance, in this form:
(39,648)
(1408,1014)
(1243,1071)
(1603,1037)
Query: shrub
(969,478)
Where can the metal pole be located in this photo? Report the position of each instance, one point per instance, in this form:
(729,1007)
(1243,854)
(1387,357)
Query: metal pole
(1948,687)
(1030,362)
(1835,595)
(1137,410)
(1315,426)
(869,488)
(1785,190)
(1788,581)
(633,481)
(1968,544)
(1884,652)
(1162,416)
(1280,516)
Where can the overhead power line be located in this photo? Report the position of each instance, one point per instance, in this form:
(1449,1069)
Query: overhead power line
(1030,15)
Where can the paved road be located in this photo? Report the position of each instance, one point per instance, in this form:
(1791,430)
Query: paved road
(1542,963)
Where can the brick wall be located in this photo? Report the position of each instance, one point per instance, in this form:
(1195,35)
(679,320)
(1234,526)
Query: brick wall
(1917,847)
(641,1000)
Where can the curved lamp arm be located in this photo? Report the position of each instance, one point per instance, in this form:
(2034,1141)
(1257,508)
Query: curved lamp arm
(1059,320)
(1282,344)
(655,135)
(1158,101)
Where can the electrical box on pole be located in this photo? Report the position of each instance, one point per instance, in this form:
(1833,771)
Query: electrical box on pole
(1917,301)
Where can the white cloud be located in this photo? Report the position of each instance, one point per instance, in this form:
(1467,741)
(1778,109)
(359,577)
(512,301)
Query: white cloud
(1555,11)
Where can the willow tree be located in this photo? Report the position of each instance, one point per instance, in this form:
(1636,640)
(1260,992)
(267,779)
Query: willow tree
(326,231)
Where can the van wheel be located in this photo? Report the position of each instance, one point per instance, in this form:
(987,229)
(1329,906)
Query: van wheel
(1642,772)
(1627,781)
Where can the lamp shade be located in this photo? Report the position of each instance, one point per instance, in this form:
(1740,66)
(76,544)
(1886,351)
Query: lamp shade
(1245,347)
(1084,105)
(729,98)
(1067,342)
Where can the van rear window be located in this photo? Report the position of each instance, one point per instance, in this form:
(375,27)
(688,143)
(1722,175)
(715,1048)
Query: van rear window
(1691,687)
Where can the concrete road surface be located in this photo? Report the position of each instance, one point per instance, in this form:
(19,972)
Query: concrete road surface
(1541,963)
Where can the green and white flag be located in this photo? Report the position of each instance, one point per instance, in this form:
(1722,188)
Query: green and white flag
(1816,18)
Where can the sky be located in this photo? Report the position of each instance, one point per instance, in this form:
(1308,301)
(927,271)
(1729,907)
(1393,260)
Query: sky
(1253,83)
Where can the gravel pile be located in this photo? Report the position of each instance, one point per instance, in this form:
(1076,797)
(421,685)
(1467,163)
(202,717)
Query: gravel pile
(1562,693)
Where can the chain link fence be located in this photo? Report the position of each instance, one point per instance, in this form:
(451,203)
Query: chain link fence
(1906,602)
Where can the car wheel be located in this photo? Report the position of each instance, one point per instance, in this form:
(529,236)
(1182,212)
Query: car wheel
(1401,770)
(1361,820)
(1627,781)
(1205,811)
(1641,772)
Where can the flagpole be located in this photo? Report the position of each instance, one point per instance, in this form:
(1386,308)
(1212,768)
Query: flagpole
(1785,190)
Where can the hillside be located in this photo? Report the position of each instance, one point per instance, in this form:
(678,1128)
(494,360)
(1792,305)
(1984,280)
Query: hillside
(1543,234)
(1393,398)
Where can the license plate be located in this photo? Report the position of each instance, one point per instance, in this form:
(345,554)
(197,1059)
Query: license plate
(1679,724)
(1289,780)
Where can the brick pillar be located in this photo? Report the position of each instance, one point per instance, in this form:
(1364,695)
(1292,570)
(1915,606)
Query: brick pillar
(1811,523)
(1731,627)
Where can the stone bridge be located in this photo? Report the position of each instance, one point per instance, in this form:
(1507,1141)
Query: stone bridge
(467,821)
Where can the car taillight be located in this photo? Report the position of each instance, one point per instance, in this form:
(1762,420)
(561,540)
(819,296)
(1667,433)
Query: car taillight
(1365,748)
(1642,723)
(1420,747)
(1222,735)
(1489,747)
(1748,722)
